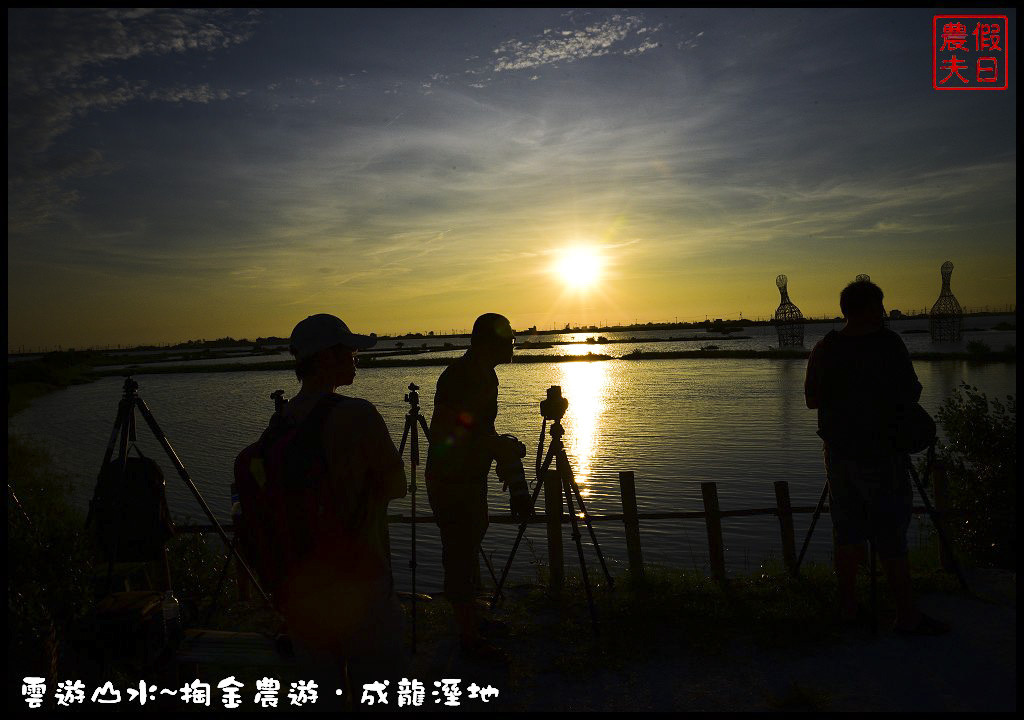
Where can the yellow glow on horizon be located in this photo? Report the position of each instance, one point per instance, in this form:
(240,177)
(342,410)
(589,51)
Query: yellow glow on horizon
(579,268)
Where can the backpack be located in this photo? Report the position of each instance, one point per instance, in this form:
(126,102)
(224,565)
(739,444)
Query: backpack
(280,480)
(132,522)
(904,427)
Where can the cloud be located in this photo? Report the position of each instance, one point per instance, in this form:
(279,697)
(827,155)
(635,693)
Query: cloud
(60,64)
(199,94)
(642,48)
(618,35)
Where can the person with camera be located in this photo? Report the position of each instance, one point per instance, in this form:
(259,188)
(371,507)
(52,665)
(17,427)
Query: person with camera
(858,379)
(463,444)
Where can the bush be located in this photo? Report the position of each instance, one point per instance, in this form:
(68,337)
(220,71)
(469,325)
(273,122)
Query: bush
(48,563)
(980,455)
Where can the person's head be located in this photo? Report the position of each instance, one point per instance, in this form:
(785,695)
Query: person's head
(493,338)
(861,302)
(325,350)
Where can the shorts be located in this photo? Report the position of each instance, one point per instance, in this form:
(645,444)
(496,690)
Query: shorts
(461,515)
(870,499)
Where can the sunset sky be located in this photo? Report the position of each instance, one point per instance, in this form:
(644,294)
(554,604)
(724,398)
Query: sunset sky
(178,174)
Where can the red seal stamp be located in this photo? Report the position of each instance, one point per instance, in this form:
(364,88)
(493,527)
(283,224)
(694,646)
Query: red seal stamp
(970,52)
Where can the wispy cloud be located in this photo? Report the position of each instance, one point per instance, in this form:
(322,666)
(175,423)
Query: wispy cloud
(625,35)
(59,71)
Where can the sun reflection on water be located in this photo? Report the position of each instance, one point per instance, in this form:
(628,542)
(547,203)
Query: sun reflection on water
(585,385)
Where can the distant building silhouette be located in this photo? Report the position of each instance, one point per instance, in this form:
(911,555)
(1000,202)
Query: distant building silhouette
(789,321)
(945,321)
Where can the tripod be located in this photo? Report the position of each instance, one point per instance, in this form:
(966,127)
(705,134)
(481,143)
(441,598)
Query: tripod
(556,452)
(413,421)
(929,462)
(124,430)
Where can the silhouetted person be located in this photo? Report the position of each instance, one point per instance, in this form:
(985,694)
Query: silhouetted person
(339,600)
(463,443)
(857,378)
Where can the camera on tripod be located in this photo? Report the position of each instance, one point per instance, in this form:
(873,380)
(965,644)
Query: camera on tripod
(413,396)
(554,406)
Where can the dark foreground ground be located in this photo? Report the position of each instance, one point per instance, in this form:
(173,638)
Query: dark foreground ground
(973,668)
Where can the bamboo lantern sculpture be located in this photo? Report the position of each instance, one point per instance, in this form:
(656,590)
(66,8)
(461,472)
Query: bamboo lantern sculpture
(945,321)
(789,321)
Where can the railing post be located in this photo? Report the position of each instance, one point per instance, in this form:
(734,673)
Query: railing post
(627,488)
(714,524)
(553,512)
(785,510)
(941,508)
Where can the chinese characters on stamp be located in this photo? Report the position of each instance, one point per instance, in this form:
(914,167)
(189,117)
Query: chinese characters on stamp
(970,52)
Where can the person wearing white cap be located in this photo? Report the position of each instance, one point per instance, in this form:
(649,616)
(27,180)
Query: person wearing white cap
(340,603)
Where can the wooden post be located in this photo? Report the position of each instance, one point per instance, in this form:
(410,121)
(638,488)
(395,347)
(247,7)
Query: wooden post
(941,507)
(785,510)
(627,488)
(553,511)
(714,524)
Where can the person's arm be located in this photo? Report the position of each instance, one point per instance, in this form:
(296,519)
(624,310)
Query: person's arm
(443,421)
(909,387)
(812,381)
(383,456)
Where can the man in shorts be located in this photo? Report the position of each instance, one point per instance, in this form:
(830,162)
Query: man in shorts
(463,443)
(857,378)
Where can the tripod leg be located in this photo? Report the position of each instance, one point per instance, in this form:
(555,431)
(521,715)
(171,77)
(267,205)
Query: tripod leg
(183,474)
(405,436)
(522,529)
(220,582)
(873,565)
(114,434)
(410,426)
(567,488)
(490,567)
(810,530)
(935,520)
(127,417)
(590,526)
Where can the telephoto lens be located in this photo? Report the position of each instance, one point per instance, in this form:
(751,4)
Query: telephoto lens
(509,454)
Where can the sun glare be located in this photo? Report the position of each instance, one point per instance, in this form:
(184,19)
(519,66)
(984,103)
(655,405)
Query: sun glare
(579,268)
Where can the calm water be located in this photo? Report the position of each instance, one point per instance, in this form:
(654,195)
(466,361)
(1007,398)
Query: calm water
(914,334)
(675,423)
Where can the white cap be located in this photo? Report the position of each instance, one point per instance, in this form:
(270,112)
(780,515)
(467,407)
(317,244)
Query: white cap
(322,331)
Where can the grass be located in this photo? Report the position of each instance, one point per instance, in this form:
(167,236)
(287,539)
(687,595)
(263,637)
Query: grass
(48,565)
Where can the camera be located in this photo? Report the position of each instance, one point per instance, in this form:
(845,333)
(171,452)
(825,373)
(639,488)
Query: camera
(554,406)
(507,448)
(508,456)
(413,397)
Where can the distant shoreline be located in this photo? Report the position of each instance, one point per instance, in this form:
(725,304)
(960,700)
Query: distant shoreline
(719,329)
(370,363)
(29,380)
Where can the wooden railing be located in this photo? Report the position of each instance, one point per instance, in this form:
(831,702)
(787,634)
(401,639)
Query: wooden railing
(554,517)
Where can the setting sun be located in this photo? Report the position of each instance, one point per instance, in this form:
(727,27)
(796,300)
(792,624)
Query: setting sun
(579,268)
